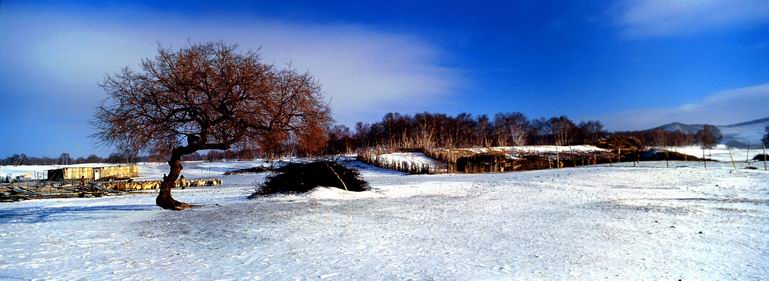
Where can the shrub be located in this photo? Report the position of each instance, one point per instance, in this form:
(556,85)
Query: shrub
(303,177)
(253,170)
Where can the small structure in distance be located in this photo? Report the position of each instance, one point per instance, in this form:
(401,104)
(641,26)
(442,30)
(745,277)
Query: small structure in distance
(94,173)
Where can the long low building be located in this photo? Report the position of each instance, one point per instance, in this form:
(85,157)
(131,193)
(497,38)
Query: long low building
(155,184)
(93,173)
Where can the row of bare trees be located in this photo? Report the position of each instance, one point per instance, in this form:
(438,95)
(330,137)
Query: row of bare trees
(66,159)
(427,130)
(707,137)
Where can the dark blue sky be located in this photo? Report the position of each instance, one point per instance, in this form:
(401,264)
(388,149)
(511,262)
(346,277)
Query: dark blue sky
(632,64)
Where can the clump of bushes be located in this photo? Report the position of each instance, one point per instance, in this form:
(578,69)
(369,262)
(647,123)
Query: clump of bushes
(661,155)
(761,157)
(303,177)
(253,170)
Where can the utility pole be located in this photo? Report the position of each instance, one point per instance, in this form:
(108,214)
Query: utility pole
(747,154)
(732,157)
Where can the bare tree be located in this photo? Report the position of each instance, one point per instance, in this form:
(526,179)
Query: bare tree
(64,159)
(765,139)
(511,128)
(658,137)
(361,134)
(204,97)
(709,136)
(312,141)
(561,128)
(591,131)
(424,130)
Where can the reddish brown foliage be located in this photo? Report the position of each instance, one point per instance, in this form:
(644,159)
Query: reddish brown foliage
(206,96)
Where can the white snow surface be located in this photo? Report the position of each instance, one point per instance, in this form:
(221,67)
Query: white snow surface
(538,149)
(719,152)
(749,133)
(550,148)
(588,223)
(409,157)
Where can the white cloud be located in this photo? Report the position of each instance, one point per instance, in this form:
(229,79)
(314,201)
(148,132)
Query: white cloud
(646,18)
(721,108)
(365,72)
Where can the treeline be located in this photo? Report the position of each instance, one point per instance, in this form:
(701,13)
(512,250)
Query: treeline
(707,137)
(428,130)
(120,158)
(66,159)
(425,130)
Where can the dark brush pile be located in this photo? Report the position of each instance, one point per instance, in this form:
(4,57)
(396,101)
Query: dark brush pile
(254,170)
(657,155)
(303,177)
(761,157)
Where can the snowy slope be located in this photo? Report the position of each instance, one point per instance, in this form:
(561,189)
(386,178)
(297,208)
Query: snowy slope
(745,133)
(617,223)
(681,127)
(719,153)
(736,135)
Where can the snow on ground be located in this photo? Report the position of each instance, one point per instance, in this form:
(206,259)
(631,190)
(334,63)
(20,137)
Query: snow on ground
(197,169)
(420,158)
(28,171)
(530,149)
(749,133)
(588,223)
(719,153)
(551,148)
(409,157)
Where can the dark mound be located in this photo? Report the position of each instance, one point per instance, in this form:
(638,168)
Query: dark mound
(656,155)
(253,170)
(761,157)
(303,177)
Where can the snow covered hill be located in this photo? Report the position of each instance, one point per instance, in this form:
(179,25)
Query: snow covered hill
(617,223)
(720,152)
(680,127)
(739,135)
(743,134)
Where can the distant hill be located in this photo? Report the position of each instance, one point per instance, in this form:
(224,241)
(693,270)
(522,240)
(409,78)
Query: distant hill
(744,133)
(680,127)
(737,135)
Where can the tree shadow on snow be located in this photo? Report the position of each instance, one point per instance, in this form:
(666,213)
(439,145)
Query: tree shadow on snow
(48,214)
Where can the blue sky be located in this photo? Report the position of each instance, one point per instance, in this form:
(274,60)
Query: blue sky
(632,64)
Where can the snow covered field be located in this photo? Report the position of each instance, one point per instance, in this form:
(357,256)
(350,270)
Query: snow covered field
(417,158)
(588,223)
(530,149)
(719,153)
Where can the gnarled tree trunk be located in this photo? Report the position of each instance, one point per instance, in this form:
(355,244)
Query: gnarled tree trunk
(164,199)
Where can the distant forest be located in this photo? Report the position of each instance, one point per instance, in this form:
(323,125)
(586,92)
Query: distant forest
(427,130)
(431,130)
